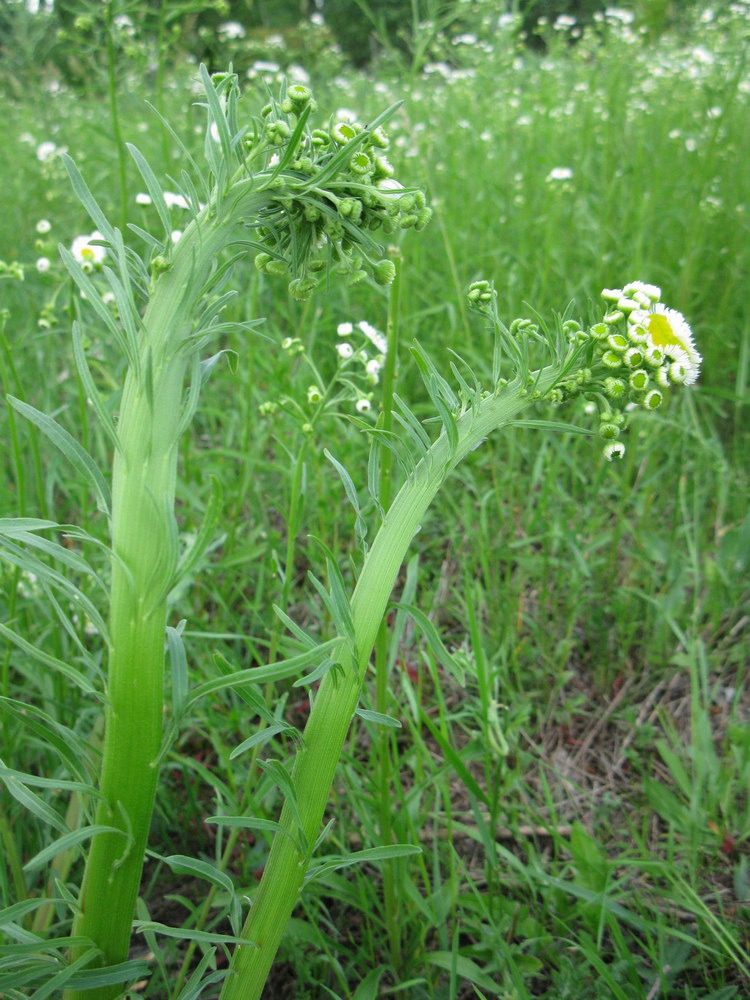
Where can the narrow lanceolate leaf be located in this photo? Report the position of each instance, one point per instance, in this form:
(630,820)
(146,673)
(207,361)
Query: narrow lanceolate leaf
(33,803)
(259,675)
(70,448)
(378,718)
(79,679)
(283,780)
(434,641)
(261,737)
(154,188)
(183,933)
(71,839)
(360,525)
(88,201)
(182,865)
(369,856)
(255,823)
(94,299)
(92,393)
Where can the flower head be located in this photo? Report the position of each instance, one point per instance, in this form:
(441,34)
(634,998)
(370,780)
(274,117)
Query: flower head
(668,330)
(87,253)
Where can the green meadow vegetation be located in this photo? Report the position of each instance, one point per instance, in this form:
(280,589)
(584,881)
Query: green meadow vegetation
(545,789)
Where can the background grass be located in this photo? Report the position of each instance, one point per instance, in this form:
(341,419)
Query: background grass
(582,802)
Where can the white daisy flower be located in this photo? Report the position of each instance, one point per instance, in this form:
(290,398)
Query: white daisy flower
(43,226)
(43,265)
(45,151)
(363,405)
(142,198)
(345,350)
(85,253)
(669,330)
(560,174)
(174,200)
(345,329)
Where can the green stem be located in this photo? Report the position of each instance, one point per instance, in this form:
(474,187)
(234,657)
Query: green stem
(143,564)
(383,768)
(339,691)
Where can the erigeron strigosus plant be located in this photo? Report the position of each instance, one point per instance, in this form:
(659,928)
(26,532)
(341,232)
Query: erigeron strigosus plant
(305,201)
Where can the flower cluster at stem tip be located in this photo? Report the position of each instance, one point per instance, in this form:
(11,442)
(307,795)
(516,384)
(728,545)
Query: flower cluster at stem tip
(337,189)
(630,359)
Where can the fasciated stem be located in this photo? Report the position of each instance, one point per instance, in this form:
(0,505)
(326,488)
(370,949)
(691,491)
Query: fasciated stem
(339,692)
(144,559)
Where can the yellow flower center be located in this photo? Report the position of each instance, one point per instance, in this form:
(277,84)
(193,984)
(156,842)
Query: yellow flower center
(661,331)
(87,253)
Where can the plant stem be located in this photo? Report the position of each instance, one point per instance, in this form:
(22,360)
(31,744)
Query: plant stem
(339,691)
(144,556)
(383,768)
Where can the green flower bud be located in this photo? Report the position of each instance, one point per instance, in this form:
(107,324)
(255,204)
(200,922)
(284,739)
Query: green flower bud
(633,357)
(653,399)
(613,317)
(384,272)
(611,294)
(423,218)
(599,331)
(614,387)
(320,137)
(677,373)
(383,167)
(615,449)
(637,334)
(662,377)
(160,264)
(299,94)
(618,342)
(379,138)
(654,356)
(609,431)
(612,359)
(361,163)
(314,395)
(639,379)
(343,132)
(302,288)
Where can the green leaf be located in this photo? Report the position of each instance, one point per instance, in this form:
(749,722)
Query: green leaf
(261,737)
(182,865)
(123,972)
(203,937)
(281,670)
(71,839)
(377,718)
(79,679)
(254,823)
(29,800)
(70,448)
(434,642)
(154,188)
(284,781)
(92,393)
(88,201)
(465,968)
(369,856)
(360,525)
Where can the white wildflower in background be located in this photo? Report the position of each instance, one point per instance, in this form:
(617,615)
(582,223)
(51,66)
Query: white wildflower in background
(375,337)
(559,174)
(43,226)
(231,30)
(45,151)
(142,198)
(43,265)
(87,254)
(345,329)
(345,350)
(363,405)
(174,200)
(175,235)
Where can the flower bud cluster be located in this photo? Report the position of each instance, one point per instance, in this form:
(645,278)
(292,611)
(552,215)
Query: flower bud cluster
(643,349)
(336,190)
(638,351)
